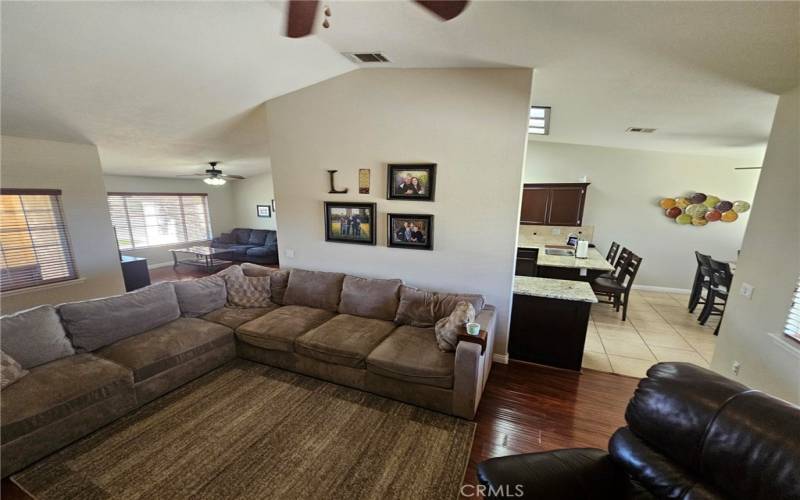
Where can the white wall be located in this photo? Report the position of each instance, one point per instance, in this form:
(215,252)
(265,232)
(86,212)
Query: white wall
(622,202)
(220,206)
(472,123)
(770,261)
(255,190)
(75,170)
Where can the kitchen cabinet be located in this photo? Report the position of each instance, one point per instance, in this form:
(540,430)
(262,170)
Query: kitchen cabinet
(553,204)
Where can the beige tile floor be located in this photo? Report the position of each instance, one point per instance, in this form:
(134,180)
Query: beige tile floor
(659,328)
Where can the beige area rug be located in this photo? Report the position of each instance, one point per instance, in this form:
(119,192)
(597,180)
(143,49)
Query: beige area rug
(250,431)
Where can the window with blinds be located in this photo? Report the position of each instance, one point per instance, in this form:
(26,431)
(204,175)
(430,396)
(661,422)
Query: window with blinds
(34,245)
(144,220)
(792,328)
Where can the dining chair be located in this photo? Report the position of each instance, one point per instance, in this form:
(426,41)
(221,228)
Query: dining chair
(717,298)
(702,279)
(618,288)
(612,252)
(623,254)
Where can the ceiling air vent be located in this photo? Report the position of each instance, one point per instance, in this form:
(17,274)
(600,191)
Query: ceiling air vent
(366,57)
(640,130)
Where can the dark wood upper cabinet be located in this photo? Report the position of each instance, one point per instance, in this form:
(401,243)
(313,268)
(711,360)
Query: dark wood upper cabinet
(553,204)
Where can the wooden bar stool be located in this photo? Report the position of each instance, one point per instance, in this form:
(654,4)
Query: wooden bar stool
(702,279)
(618,288)
(717,298)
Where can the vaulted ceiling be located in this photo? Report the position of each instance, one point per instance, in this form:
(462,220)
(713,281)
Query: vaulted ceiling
(161,87)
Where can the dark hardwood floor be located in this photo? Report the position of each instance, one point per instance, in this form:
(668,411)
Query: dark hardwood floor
(529,408)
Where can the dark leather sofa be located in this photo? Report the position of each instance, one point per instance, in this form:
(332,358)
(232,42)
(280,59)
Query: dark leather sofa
(692,434)
(259,246)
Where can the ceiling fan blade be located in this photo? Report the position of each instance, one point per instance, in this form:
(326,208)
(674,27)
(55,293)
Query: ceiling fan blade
(300,17)
(189,175)
(445,9)
(228,176)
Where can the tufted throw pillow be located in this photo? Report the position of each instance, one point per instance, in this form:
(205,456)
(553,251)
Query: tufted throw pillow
(246,291)
(448,328)
(10,370)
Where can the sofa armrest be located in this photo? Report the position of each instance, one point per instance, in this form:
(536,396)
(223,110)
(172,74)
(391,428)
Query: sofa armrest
(570,474)
(472,368)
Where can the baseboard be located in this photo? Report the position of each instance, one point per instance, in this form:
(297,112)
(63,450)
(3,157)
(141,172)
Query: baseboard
(661,289)
(159,264)
(500,358)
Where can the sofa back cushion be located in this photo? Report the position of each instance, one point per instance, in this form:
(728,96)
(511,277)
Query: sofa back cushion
(278,279)
(92,324)
(201,296)
(271,241)
(34,337)
(371,298)
(314,289)
(241,235)
(423,308)
(257,237)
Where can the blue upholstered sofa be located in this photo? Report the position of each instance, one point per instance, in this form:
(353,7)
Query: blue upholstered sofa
(259,246)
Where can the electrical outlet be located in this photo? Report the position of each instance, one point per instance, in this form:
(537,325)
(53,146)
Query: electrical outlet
(289,253)
(736,367)
(746,290)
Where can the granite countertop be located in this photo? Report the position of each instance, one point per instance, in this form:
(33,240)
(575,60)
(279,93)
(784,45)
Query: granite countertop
(594,260)
(576,291)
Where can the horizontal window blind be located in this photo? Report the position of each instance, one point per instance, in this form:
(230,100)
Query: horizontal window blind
(792,328)
(144,220)
(34,245)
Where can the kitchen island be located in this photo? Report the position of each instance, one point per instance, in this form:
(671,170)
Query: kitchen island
(568,267)
(549,318)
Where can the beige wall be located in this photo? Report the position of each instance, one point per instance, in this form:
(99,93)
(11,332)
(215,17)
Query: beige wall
(75,170)
(770,261)
(472,123)
(621,202)
(220,206)
(255,190)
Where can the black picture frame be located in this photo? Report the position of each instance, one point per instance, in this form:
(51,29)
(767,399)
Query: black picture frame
(355,233)
(395,241)
(428,185)
(264,211)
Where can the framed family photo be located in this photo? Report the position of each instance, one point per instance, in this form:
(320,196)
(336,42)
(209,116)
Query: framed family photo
(411,181)
(413,231)
(350,222)
(264,210)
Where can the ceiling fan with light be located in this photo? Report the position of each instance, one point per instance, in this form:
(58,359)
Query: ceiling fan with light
(302,14)
(214,176)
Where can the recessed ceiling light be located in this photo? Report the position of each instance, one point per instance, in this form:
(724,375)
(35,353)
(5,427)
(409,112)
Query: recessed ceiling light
(640,130)
(539,120)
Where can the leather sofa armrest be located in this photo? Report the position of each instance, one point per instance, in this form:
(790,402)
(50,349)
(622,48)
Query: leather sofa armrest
(570,474)
(472,368)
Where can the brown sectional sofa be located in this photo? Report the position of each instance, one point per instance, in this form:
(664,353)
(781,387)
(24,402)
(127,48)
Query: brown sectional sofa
(115,354)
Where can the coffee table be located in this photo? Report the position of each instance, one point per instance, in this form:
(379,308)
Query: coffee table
(205,257)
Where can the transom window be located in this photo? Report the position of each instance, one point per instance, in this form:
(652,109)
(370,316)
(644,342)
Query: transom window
(34,245)
(144,220)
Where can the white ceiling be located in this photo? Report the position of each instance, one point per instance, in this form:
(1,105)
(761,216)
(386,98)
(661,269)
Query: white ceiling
(162,87)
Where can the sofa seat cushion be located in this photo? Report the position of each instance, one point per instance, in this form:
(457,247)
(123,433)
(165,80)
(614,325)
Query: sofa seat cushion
(55,390)
(240,249)
(259,251)
(344,340)
(233,317)
(411,354)
(167,346)
(279,329)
